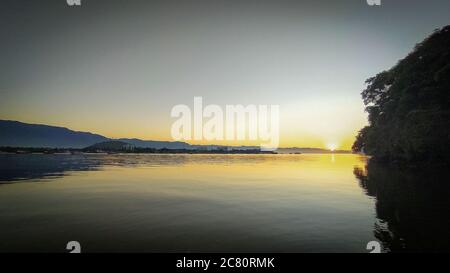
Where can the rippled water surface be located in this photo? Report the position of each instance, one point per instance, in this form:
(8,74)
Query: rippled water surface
(218,203)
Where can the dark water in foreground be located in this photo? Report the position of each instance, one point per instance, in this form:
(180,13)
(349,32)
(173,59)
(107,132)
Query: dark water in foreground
(219,203)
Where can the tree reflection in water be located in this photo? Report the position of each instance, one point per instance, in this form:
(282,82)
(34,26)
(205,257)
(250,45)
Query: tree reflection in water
(412,207)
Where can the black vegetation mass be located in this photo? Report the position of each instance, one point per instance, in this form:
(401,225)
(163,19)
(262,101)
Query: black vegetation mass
(408,106)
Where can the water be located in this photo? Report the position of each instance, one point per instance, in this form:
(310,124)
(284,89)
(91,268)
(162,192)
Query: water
(218,203)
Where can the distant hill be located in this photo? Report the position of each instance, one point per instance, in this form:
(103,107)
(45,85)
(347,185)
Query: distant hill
(18,134)
(112,145)
(156,144)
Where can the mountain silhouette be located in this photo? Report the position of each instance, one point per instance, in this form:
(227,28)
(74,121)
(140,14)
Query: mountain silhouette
(19,134)
(156,144)
(113,145)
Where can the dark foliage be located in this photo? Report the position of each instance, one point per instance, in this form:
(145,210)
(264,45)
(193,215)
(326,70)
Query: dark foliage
(408,106)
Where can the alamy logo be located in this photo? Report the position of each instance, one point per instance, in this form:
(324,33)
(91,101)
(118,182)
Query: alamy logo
(235,122)
(73,2)
(374,2)
(374,247)
(74,247)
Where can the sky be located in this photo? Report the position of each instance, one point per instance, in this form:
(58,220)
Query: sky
(118,67)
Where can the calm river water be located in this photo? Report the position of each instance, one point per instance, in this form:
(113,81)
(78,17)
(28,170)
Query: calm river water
(218,203)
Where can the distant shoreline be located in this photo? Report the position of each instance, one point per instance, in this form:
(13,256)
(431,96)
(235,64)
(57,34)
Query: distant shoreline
(19,137)
(74,151)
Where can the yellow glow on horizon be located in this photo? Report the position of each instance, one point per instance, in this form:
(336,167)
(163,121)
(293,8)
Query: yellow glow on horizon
(332,146)
(290,136)
(313,123)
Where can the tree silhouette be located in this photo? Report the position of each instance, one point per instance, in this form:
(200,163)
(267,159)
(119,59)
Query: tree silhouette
(408,106)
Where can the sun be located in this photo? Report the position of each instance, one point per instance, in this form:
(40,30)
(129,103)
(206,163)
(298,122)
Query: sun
(332,146)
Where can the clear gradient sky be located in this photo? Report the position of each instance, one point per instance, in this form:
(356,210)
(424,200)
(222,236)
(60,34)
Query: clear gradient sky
(118,67)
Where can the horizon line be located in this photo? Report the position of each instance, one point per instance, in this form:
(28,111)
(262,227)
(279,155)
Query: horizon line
(174,141)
